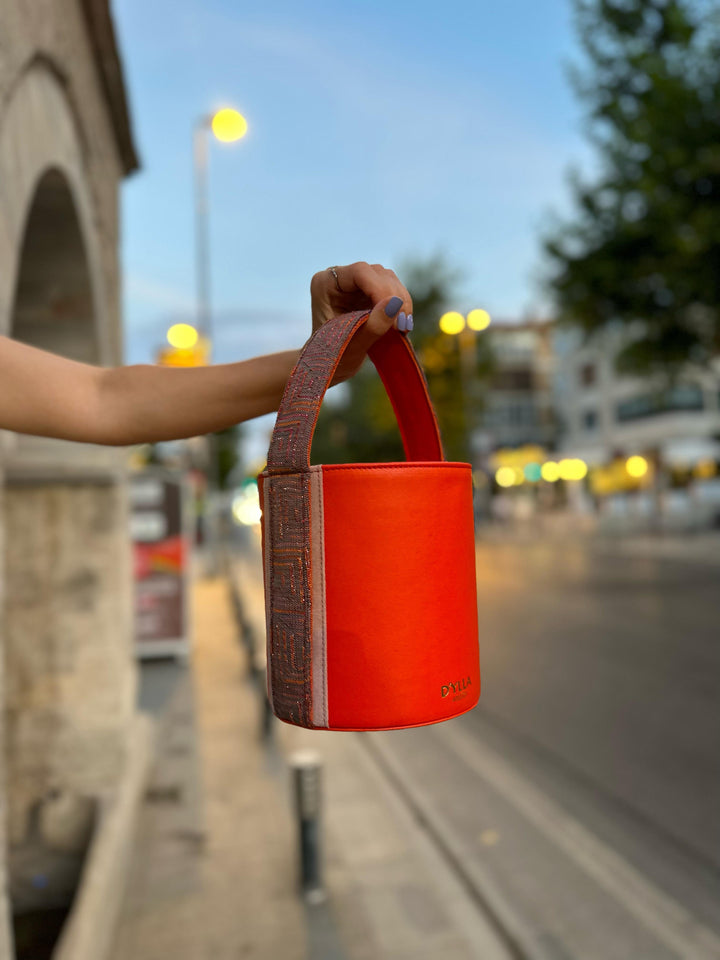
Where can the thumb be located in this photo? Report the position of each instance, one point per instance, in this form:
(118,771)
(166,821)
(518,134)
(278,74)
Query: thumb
(384,315)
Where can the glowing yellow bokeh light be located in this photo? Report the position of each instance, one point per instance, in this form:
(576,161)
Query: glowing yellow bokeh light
(572,469)
(518,456)
(636,466)
(228,125)
(550,472)
(620,475)
(705,469)
(452,322)
(505,477)
(478,319)
(182,336)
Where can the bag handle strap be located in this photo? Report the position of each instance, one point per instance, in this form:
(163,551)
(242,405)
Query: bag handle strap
(399,371)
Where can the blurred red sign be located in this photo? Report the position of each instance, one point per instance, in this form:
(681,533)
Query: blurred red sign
(161,554)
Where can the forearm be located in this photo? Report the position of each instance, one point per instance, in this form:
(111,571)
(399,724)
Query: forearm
(144,404)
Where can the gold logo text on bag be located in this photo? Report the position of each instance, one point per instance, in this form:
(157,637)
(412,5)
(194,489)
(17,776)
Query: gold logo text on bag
(459,688)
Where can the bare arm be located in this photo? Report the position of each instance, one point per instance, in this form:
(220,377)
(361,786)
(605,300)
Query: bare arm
(146,403)
(50,396)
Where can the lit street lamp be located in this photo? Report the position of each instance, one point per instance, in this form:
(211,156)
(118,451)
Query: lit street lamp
(478,320)
(182,336)
(187,348)
(227,126)
(455,324)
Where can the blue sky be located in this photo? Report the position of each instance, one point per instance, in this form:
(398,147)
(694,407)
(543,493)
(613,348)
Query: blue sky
(378,131)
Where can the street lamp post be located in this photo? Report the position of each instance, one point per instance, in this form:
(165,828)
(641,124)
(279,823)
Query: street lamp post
(465,328)
(227,125)
(202,237)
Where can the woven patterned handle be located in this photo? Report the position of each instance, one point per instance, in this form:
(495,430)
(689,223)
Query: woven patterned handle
(399,370)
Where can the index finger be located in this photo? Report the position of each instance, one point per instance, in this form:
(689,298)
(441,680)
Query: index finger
(375,281)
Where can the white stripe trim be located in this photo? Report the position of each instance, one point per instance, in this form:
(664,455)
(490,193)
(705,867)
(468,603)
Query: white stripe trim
(319,622)
(266,581)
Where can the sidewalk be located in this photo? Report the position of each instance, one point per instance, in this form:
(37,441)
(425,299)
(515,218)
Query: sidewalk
(212,875)
(214,868)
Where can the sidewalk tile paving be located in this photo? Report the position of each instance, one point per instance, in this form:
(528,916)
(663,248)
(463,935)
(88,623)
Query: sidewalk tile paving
(213,872)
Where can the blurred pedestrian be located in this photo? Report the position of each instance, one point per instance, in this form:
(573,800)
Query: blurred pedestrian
(48,395)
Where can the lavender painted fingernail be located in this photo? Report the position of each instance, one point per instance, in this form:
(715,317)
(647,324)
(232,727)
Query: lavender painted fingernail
(410,322)
(393,306)
(401,321)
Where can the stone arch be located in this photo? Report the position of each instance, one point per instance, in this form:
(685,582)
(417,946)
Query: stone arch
(53,304)
(42,156)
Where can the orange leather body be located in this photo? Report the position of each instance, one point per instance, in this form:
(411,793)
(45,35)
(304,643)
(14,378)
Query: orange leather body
(401,602)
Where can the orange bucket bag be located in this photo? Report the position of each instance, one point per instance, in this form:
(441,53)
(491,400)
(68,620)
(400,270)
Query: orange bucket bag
(369,568)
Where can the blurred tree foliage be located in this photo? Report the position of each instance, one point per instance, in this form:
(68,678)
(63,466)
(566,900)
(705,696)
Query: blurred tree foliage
(362,427)
(644,246)
(226,449)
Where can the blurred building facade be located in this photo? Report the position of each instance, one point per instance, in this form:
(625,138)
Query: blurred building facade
(604,416)
(69,678)
(518,407)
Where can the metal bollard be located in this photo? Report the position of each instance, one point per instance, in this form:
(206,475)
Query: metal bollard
(306,766)
(266,714)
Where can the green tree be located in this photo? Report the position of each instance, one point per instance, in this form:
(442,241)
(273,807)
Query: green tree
(643,248)
(362,428)
(226,449)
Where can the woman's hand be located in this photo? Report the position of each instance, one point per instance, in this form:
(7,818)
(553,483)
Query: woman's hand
(360,286)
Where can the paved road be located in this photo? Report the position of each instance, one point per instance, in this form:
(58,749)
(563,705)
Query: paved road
(585,790)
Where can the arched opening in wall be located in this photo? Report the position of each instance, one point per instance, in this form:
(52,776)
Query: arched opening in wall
(51,592)
(53,295)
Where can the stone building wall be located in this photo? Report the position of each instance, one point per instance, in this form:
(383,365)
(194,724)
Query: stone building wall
(67,695)
(69,687)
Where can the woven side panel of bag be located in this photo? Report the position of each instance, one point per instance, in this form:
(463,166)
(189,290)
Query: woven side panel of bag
(289,597)
(288,593)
